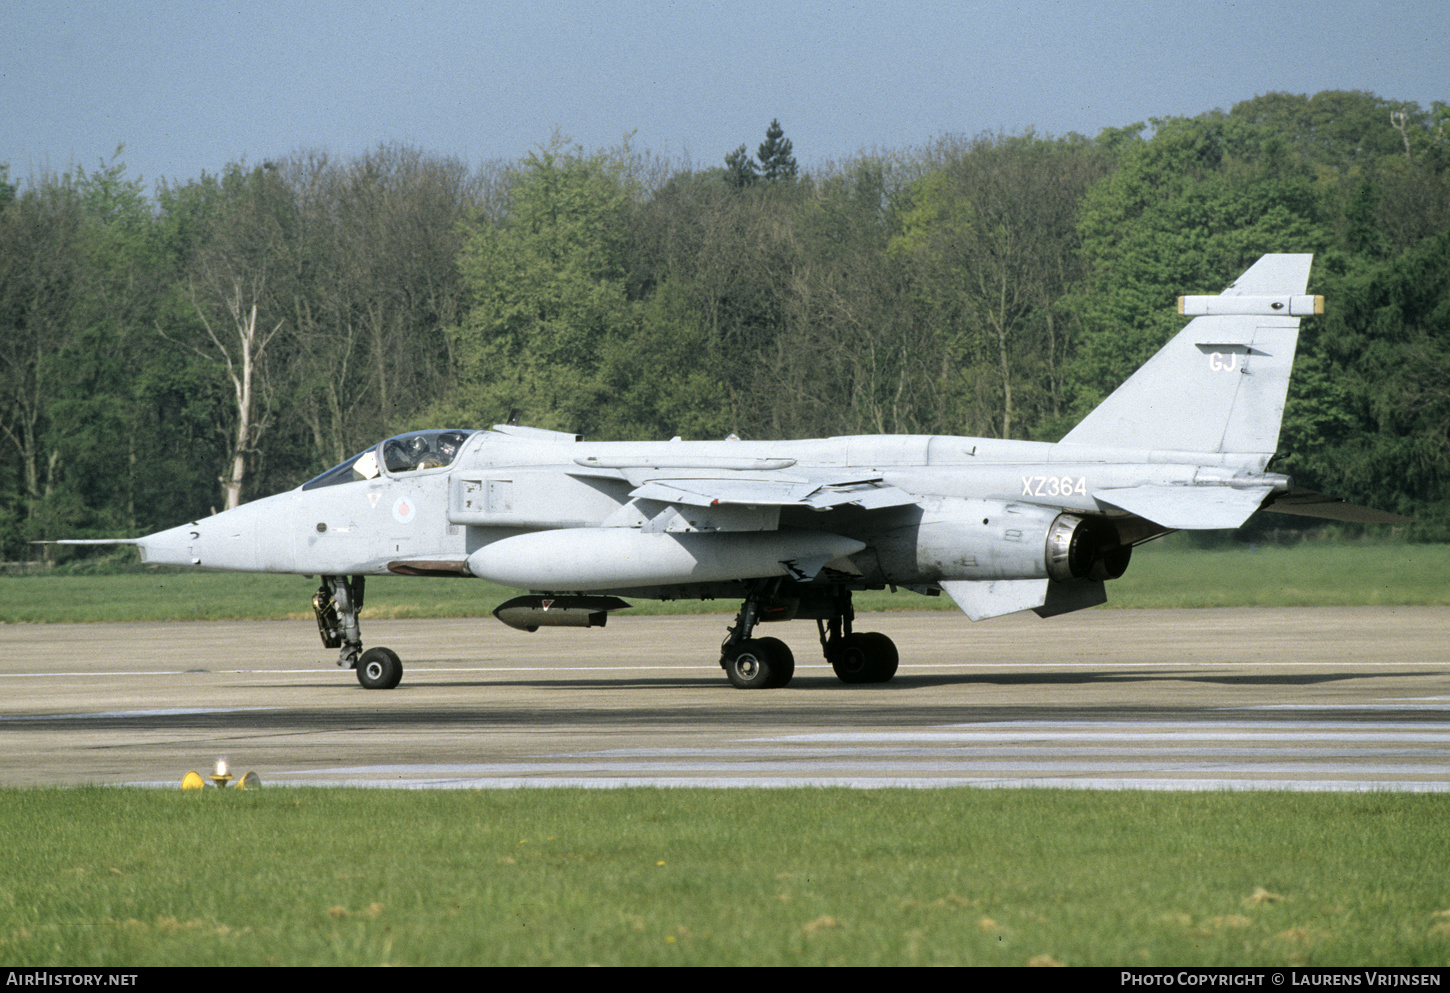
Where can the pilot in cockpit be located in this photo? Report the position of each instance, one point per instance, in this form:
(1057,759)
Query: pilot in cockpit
(425,450)
(449,442)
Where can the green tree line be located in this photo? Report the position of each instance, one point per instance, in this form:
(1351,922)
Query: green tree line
(166,355)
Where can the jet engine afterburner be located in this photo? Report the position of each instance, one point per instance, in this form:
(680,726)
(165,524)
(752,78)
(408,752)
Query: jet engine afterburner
(1085,548)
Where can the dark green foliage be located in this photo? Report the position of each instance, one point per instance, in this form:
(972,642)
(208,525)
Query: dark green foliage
(774,157)
(740,168)
(1385,436)
(776,160)
(1193,206)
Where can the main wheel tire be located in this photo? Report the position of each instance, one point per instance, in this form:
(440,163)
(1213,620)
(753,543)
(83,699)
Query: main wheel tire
(884,657)
(379,669)
(848,656)
(783,662)
(867,657)
(756,664)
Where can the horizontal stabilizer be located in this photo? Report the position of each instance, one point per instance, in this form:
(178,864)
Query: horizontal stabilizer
(1188,508)
(1308,503)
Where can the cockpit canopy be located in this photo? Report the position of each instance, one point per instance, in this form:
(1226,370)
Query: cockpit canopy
(399,454)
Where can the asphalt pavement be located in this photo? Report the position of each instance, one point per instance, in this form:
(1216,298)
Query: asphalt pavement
(1305,699)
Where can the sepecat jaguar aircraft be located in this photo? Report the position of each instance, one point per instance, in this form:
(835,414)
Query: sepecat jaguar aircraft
(792,528)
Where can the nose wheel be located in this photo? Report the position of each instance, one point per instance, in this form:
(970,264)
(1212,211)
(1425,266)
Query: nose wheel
(379,669)
(337,604)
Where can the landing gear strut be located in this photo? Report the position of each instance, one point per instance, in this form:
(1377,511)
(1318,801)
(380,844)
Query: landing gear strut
(767,663)
(756,663)
(867,657)
(336,604)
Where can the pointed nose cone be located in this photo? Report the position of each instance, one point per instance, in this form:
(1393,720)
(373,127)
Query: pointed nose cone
(170,547)
(255,537)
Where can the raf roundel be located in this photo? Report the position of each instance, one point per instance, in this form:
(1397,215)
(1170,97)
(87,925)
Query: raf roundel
(405,508)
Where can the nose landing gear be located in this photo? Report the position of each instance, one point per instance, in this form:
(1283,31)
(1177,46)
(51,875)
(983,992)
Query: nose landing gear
(337,604)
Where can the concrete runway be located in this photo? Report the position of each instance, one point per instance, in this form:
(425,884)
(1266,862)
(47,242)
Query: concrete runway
(1311,699)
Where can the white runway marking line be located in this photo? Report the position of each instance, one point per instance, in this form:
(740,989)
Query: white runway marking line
(47,675)
(990,755)
(163,672)
(1344,706)
(1108,666)
(132,714)
(787,765)
(1095,736)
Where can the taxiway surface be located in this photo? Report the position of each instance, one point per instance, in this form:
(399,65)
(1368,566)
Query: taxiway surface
(1313,699)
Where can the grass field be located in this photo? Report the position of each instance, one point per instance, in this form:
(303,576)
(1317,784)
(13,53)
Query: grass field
(1161,575)
(731,877)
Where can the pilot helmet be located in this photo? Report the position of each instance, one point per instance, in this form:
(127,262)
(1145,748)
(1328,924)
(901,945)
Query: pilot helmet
(449,442)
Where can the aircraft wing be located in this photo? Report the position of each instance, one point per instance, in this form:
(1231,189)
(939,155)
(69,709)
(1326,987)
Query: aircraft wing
(760,490)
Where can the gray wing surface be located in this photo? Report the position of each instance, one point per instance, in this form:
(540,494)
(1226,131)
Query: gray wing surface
(821,492)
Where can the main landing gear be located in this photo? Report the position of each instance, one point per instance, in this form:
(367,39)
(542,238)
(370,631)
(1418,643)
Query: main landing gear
(767,663)
(337,603)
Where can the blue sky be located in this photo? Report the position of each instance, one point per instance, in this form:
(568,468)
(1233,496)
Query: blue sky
(192,86)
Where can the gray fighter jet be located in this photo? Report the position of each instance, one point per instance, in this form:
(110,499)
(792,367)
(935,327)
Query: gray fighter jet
(792,528)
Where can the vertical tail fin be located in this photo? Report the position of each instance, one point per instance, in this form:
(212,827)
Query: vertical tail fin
(1220,384)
